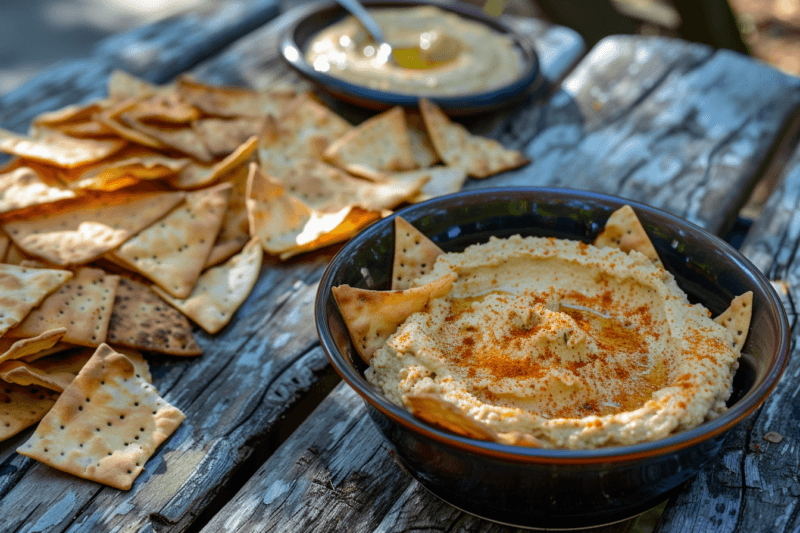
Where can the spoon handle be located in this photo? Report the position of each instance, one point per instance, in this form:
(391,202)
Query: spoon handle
(358,11)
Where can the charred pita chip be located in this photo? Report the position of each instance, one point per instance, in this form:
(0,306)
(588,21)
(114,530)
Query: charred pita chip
(379,144)
(21,407)
(82,231)
(22,289)
(223,136)
(142,320)
(414,254)
(736,319)
(624,231)
(478,156)
(54,148)
(232,101)
(221,289)
(53,373)
(105,425)
(372,316)
(440,181)
(24,187)
(172,251)
(180,138)
(194,175)
(122,86)
(24,348)
(82,305)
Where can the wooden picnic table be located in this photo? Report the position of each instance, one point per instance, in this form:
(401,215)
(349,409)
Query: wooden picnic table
(273,441)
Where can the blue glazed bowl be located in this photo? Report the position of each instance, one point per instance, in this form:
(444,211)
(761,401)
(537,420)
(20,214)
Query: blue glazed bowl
(533,487)
(308,21)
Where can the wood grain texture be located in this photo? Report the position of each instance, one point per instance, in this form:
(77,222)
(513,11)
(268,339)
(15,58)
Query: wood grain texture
(673,124)
(754,485)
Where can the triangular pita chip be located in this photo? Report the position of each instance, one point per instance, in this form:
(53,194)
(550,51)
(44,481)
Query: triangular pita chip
(223,136)
(142,320)
(56,149)
(421,146)
(82,305)
(736,318)
(356,220)
(126,167)
(624,231)
(195,175)
(70,113)
(54,373)
(165,108)
(181,138)
(233,101)
(24,348)
(15,256)
(21,407)
(478,156)
(222,250)
(221,289)
(172,251)
(373,316)
(414,254)
(105,425)
(440,181)
(24,187)
(82,231)
(379,144)
(56,348)
(22,289)
(122,86)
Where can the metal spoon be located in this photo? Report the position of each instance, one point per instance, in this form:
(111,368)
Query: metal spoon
(355,8)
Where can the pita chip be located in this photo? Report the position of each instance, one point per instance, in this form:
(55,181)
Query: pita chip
(623,230)
(134,166)
(223,136)
(736,319)
(54,373)
(165,108)
(82,231)
(5,243)
(172,251)
(82,305)
(221,289)
(235,230)
(54,148)
(372,316)
(195,175)
(414,254)
(22,289)
(181,138)
(478,156)
(379,144)
(24,348)
(356,220)
(122,86)
(24,187)
(21,407)
(142,320)
(15,256)
(70,114)
(440,181)
(232,101)
(105,425)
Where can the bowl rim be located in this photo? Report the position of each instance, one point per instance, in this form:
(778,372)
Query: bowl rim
(523,454)
(529,80)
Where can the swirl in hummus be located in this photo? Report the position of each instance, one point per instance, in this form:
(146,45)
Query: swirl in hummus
(574,345)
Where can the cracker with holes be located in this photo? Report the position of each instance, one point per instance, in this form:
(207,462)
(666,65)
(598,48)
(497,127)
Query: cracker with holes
(105,425)
(736,319)
(22,406)
(140,319)
(372,316)
(479,156)
(172,251)
(22,289)
(414,254)
(221,289)
(82,305)
(623,230)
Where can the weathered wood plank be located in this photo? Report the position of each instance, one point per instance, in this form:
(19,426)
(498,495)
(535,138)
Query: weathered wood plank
(156,52)
(754,485)
(673,124)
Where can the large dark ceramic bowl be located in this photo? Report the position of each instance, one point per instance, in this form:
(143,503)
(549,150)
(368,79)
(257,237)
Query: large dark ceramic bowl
(308,21)
(556,488)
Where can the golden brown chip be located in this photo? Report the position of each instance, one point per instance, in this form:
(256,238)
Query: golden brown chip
(223,136)
(25,348)
(373,316)
(70,114)
(21,407)
(5,243)
(221,289)
(55,148)
(22,289)
(235,230)
(125,168)
(181,138)
(736,319)
(414,254)
(24,187)
(53,373)
(194,175)
(105,425)
(624,231)
(232,101)
(379,144)
(356,220)
(440,181)
(122,86)
(82,231)
(165,108)
(478,156)
(421,146)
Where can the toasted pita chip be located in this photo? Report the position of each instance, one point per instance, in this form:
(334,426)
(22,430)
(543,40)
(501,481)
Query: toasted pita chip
(414,254)
(235,230)
(194,175)
(24,348)
(223,136)
(624,231)
(233,101)
(478,156)
(122,86)
(15,256)
(5,243)
(24,187)
(82,231)
(182,139)
(70,114)
(379,144)
(421,146)
(105,425)
(22,289)
(53,373)
(172,251)
(136,165)
(221,289)
(440,181)
(90,128)
(109,121)
(21,407)
(356,220)
(372,316)
(56,348)
(82,305)
(54,148)
(222,250)
(142,320)
(736,319)
(165,108)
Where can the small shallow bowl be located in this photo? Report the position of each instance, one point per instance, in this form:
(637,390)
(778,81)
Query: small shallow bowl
(308,21)
(533,487)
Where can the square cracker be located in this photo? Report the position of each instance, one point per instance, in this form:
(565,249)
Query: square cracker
(22,406)
(105,425)
(82,305)
(172,251)
(86,229)
(22,289)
